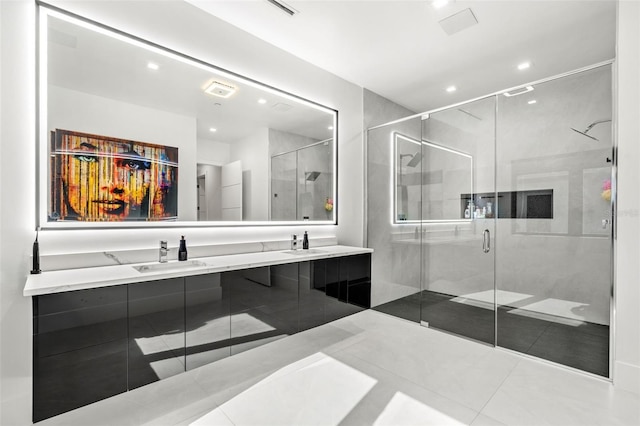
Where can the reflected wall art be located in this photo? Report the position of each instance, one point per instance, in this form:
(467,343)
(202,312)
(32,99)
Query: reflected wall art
(105,179)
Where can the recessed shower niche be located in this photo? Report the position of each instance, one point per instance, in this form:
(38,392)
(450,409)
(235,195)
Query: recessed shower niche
(497,225)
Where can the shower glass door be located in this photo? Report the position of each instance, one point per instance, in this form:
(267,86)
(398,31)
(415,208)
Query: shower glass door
(284,195)
(394,205)
(459,210)
(497,225)
(553,268)
(315,181)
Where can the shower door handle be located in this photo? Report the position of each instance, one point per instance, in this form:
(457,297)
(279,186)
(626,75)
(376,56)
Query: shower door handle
(486,241)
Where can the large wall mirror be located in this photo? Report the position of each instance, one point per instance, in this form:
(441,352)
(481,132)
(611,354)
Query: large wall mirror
(132,134)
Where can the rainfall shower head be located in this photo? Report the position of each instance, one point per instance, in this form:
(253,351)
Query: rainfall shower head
(311,176)
(589,127)
(584,133)
(415,158)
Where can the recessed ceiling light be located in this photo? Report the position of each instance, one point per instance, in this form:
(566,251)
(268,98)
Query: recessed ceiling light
(213,129)
(153,66)
(524,66)
(451,89)
(532,101)
(262,101)
(220,89)
(439,4)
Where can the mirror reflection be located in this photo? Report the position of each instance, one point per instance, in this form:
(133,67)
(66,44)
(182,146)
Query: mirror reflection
(430,175)
(137,133)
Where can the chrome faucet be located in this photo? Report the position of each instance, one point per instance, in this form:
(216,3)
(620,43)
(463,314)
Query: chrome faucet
(164,251)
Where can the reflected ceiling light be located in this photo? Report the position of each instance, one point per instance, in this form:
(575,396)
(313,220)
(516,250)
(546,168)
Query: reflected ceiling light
(525,90)
(439,4)
(160,51)
(532,101)
(213,129)
(330,127)
(220,89)
(262,101)
(153,66)
(524,66)
(451,89)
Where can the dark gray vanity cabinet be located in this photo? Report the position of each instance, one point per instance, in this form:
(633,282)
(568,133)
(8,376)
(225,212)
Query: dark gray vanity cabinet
(176,325)
(346,283)
(91,344)
(312,298)
(207,320)
(358,279)
(262,309)
(79,348)
(156,330)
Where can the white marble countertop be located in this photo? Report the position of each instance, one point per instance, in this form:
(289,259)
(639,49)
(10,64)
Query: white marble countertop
(103,276)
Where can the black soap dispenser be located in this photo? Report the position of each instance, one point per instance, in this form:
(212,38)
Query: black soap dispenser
(182,251)
(35,269)
(305,241)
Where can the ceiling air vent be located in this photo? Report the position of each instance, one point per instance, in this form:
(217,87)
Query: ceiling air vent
(220,89)
(283,7)
(281,107)
(458,22)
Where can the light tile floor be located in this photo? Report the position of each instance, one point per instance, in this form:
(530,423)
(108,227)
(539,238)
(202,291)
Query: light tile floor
(369,369)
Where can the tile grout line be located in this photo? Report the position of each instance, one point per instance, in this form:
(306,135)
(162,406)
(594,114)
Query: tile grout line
(415,383)
(224,413)
(480,412)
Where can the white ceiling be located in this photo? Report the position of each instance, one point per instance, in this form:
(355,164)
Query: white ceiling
(398,49)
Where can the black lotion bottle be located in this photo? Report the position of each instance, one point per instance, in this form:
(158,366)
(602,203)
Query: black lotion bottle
(182,251)
(305,241)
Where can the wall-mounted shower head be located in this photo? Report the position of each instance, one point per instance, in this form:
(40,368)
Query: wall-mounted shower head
(415,158)
(311,176)
(584,133)
(589,127)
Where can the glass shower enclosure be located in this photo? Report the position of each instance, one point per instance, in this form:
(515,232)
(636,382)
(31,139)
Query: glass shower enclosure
(302,183)
(497,225)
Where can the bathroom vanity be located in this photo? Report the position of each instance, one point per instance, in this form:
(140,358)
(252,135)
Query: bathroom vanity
(98,332)
(101,331)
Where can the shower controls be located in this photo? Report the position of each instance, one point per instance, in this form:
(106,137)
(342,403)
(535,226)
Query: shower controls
(486,241)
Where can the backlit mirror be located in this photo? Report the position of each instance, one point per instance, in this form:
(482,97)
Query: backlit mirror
(430,182)
(134,134)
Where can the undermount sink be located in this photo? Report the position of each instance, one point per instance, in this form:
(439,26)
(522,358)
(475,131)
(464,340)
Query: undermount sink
(169,266)
(303,252)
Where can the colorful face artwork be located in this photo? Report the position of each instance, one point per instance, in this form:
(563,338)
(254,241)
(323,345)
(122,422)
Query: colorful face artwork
(98,178)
